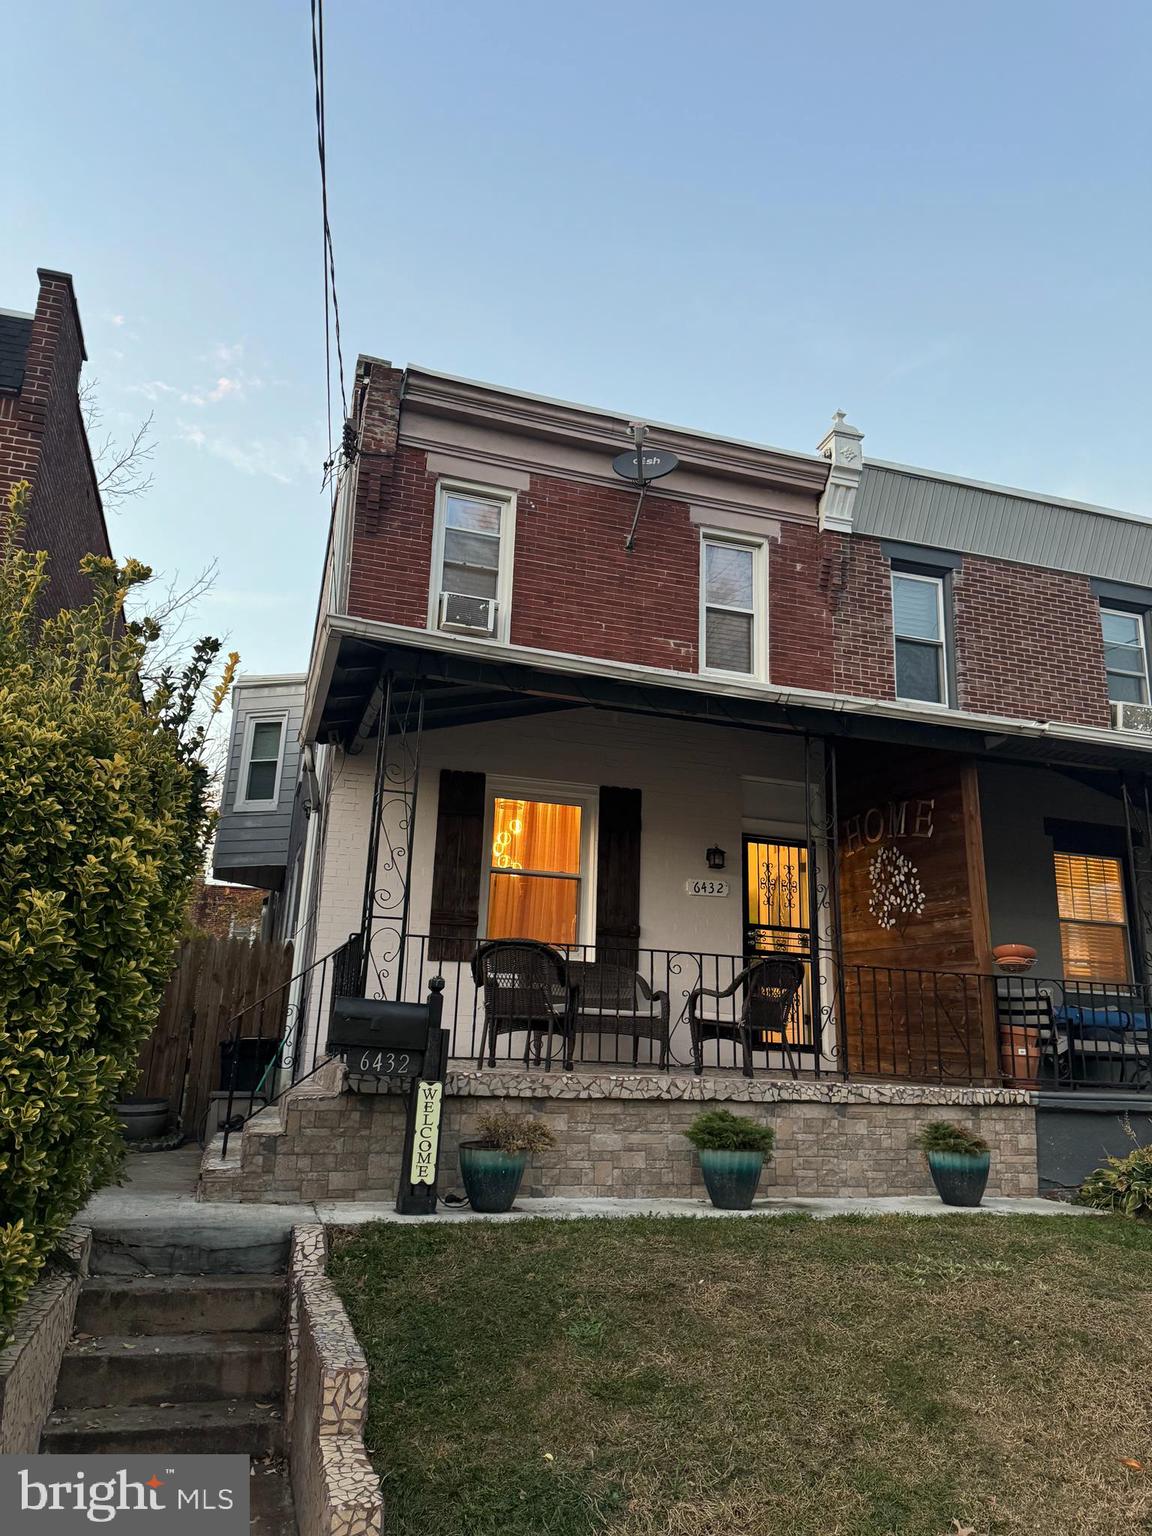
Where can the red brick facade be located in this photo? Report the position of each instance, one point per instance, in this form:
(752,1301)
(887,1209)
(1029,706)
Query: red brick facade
(1027,640)
(42,440)
(1028,643)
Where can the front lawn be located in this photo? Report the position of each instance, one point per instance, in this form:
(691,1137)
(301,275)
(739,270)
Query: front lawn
(782,1377)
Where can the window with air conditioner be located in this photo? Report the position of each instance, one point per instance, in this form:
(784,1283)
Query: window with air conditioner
(472,562)
(733,631)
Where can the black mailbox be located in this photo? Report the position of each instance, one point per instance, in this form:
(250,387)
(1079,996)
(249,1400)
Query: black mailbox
(380,1039)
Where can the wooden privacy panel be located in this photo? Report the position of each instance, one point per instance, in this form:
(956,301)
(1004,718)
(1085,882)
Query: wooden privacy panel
(914,918)
(214,981)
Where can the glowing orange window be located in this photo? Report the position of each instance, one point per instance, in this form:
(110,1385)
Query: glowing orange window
(534,878)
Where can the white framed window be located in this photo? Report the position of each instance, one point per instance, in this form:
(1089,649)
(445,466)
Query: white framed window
(540,869)
(733,626)
(1125,656)
(920,637)
(472,552)
(261,763)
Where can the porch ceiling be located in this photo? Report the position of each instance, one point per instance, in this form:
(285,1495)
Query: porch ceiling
(461,688)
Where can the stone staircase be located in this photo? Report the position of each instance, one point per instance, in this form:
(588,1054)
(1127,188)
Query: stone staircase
(180,1363)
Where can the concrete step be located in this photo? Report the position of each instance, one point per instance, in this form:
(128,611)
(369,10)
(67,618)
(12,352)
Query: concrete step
(237,1426)
(166,1304)
(270,1502)
(186,1368)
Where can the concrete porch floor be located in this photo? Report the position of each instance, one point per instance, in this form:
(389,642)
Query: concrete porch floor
(153,1222)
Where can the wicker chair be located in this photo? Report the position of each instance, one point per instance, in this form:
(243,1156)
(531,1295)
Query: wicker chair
(616,1001)
(769,989)
(526,990)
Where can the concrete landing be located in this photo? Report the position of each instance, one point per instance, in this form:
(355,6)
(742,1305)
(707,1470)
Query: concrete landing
(153,1221)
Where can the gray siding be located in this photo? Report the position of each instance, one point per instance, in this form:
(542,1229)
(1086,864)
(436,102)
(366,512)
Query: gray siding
(944,514)
(252,846)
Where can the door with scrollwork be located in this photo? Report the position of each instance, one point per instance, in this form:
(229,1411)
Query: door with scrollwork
(778,915)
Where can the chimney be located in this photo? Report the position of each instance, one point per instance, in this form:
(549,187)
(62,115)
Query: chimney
(842,446)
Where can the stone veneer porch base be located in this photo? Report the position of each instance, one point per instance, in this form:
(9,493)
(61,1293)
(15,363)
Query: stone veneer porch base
(622,1134)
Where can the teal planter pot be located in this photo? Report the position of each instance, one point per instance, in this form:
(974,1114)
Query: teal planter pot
(491,1177)
(959,1178)
(731,1177)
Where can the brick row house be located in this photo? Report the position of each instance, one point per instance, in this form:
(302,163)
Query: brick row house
(42,436)
(867,723)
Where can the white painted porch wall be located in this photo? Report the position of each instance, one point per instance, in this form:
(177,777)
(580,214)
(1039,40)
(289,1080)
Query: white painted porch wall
(693,782)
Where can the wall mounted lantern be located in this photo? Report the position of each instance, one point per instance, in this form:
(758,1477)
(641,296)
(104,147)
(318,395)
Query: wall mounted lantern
(715,857)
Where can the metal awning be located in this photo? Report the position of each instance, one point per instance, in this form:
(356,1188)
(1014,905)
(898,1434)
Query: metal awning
(465,682)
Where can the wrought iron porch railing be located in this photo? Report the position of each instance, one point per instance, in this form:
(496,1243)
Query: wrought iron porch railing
(847,1021)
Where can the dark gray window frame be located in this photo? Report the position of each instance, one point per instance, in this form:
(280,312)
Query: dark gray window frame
(939,564)
(1137,601)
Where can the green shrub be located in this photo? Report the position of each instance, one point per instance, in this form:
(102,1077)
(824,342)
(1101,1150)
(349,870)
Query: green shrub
(947,1136)
(719,1130)
(1123,1185)
(506,1132)
(103,821)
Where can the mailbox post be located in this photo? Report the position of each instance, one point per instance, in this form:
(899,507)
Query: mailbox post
(402,1041)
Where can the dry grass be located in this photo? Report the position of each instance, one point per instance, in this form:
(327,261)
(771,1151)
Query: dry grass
(712,1378)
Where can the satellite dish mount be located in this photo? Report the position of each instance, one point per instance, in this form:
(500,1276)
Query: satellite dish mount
(641,467)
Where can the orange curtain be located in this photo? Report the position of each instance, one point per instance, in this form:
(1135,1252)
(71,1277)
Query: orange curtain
(543,837)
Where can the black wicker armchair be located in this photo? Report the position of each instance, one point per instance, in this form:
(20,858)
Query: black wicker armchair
(526,989)
(768,991)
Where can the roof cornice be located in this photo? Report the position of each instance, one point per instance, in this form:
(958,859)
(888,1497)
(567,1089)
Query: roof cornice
(586,426)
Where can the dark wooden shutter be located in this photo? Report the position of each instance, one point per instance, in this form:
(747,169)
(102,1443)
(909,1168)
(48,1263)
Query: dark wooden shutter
(618,876)
(458,866)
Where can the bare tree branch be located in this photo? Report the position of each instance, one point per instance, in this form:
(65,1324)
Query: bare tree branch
(122,470)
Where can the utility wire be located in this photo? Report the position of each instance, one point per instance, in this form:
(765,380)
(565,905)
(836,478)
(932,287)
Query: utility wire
(331,302)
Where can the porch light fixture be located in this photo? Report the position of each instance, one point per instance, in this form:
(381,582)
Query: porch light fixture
(715,857)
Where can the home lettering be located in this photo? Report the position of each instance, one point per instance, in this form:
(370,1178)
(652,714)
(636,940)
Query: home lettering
(899,818)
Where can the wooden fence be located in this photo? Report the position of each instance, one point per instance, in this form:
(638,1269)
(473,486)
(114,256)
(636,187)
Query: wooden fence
(213,981)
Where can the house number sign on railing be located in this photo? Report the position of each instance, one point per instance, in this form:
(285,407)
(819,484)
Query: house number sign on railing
(706,887)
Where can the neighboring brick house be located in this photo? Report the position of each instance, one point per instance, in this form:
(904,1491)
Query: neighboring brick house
(870,721)
(42,436)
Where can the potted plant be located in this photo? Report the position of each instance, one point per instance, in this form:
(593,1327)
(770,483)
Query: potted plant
(957,1160)
(492,1164)
(732,1151)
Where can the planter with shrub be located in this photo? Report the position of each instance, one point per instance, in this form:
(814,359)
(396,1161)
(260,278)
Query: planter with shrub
(492,1164)
(958,1161)
(732,1151)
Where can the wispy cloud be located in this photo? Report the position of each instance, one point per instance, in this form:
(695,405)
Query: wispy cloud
(235,387)
(118,319)
(251,599)
(283,462)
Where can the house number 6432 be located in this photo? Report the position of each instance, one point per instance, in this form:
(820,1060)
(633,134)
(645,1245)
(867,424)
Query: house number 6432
(386,1063)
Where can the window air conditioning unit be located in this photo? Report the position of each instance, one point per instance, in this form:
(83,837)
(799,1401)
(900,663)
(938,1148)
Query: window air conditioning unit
(1132,717)
(476,615)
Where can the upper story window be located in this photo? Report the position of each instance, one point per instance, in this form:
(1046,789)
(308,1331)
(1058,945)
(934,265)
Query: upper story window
(472,561)
(261,763)
(1125,656)
(921,650)
(732,627)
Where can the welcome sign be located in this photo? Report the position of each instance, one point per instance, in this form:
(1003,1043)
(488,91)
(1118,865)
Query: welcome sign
(426,1133)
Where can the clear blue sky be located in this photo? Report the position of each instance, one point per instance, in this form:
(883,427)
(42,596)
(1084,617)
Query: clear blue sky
(740,216)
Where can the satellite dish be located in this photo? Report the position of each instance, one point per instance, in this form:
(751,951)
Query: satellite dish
(644,464)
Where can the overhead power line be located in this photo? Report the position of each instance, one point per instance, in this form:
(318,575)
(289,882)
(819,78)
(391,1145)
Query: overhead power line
(331,302)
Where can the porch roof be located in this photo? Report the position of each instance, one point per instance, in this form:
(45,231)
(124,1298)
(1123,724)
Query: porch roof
(468,680)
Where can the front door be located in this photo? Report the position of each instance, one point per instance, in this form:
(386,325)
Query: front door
(778,915)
